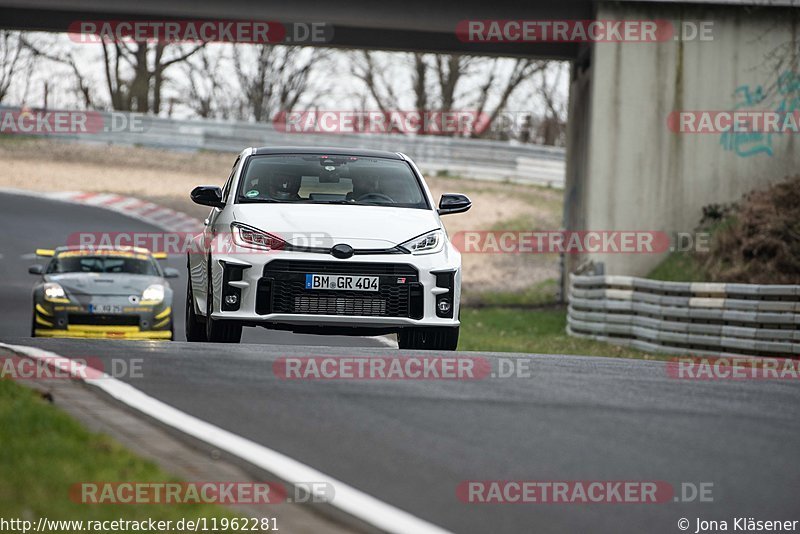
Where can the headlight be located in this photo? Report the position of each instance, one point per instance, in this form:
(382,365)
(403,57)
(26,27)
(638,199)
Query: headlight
(429,243)
(154,294)
(245,236)
(54,293)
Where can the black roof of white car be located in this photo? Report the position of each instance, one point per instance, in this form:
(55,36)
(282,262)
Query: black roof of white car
(363,152)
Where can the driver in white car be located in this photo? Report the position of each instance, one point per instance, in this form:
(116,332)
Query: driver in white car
(278,186)
(363,185)
(284,186)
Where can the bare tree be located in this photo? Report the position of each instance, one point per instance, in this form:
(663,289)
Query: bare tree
(445,82)
(552,127)
(135,72)
(82,85)
(14,59)
(208,93)
(450,69)
(273,79)
(419,79)
(377,80)
(522,70)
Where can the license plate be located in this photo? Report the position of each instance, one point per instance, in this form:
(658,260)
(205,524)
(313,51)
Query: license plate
(342,282)
(105,308)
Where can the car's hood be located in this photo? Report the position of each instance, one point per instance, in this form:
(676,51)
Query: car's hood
(103,284)
(361,227)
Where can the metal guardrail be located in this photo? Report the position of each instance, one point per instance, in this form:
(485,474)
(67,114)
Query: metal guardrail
(686,318)
(471,158)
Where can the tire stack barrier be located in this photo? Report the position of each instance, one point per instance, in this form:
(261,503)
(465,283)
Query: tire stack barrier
(686,317)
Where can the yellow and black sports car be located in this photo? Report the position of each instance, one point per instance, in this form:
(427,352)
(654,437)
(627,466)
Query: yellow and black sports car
(102,292)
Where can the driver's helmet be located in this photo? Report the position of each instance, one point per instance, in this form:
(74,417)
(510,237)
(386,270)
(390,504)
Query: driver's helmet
(283,186)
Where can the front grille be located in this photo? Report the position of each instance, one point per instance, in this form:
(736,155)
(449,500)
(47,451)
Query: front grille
(103,319)
(339,267)
(283,290)
(319,305)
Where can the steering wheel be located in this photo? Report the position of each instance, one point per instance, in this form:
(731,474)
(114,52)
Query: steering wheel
(378,196)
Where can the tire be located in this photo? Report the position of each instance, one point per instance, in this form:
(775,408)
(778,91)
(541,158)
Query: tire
(195,329)
(428,338)
(33,321)
(219,331)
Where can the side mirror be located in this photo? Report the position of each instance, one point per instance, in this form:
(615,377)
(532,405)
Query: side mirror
(169,272)
(208,195)
(454,203)
(36,269)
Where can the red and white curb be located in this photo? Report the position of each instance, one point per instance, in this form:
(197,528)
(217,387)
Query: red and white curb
(347,501)
(149,212)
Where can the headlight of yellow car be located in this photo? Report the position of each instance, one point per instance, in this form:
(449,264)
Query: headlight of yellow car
(53,292)
(154,294)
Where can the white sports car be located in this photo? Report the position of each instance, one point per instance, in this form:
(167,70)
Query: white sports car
(327,241)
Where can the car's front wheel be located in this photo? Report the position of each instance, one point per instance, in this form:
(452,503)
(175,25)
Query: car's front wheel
(195,329)
(428,338)
(220,331)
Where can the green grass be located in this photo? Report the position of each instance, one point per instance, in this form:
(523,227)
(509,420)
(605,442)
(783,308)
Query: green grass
(539,196)
(679,267)
(523,223)
(11,138)
(531,331)
(43,452)
(541,294)
(527,321)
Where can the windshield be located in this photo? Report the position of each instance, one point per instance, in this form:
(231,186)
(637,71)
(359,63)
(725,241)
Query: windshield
(320,179)
(103,264)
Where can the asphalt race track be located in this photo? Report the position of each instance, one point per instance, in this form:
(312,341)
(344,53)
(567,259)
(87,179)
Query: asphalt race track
(29,223)
(410,443)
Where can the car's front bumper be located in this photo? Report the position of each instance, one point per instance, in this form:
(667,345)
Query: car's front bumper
(104,332)
(73,320)
(254,269)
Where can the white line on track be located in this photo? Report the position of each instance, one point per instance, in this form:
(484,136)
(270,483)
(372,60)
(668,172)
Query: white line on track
(346,498)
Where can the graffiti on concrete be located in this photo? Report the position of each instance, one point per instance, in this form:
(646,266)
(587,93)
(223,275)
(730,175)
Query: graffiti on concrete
(786,90)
